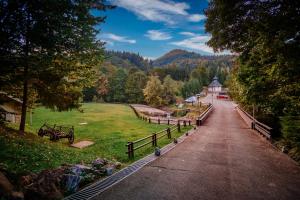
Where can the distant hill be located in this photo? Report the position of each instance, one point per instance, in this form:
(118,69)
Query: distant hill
(178,57)
(127,60)
(182,58)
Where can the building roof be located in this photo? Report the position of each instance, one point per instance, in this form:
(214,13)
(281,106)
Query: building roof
(191,99)
(215,83)
(8,98)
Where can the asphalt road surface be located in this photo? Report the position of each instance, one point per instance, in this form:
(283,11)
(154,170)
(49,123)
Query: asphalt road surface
(223,160)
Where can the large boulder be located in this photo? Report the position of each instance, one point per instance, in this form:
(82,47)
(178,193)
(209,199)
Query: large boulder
(7,189)
(46,185)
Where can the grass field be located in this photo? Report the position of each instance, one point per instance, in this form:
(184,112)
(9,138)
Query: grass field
(110,126)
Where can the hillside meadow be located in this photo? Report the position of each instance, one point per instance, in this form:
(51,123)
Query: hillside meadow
(109,126)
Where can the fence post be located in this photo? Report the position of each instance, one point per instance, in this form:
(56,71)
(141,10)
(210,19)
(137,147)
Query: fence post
(154,140)
(168,122)
(149,120)
(178,126)
(169,133)
(130,150)
(189,122)
(184,123)
(158,121)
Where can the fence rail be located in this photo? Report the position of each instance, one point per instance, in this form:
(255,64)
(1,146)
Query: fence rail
(204,115)
(151,139)
(263,129)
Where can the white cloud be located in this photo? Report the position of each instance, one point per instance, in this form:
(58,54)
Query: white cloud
(108,42)
(166,11)
(187,33)
(196,42)
(158,35)
(196,18)
(118,38)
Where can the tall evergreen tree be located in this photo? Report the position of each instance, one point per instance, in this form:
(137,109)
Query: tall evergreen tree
(135,84)
(50,46)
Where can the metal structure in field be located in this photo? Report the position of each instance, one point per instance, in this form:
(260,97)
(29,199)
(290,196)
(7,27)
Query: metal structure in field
(57,132)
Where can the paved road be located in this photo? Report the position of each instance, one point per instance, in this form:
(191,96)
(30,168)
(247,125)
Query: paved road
(223,160)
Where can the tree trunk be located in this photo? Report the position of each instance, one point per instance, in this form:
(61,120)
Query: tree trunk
(24,104)
(25,82)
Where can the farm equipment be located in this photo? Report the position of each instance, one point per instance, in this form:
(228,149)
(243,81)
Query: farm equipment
(57,132)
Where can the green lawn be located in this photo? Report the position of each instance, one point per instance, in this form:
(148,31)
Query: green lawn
(110,126)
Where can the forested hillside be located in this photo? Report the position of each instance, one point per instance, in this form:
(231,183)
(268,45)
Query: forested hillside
(123,76)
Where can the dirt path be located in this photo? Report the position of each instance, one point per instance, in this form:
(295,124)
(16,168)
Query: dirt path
(223,160)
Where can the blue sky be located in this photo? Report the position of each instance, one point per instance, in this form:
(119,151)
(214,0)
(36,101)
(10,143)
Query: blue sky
(154,27)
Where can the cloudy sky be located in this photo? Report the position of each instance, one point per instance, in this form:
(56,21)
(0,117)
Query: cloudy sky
(154,27)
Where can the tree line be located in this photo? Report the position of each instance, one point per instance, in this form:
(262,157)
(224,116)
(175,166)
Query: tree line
(159,86)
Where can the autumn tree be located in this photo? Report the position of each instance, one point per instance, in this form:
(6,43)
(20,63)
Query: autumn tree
(50,46)
(153,91)
(169,90)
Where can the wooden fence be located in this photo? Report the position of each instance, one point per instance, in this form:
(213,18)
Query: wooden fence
(204,115)
(263,129)
(151,139)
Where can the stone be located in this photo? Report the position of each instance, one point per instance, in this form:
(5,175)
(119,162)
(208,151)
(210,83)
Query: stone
(47,185)
(109,170)
(5,186)
(118,165)
(175,141)
(99,163)
(157,151)
(72,182)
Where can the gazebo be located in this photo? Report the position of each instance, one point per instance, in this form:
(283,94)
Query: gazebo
(215,85)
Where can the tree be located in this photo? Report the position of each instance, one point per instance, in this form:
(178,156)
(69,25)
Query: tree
(266,36)
(190,88)
(50,46)
(169,90)
(201,74)
(116,86)
(135,84)
(153,91)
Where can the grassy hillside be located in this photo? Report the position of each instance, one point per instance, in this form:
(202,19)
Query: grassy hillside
(110,126)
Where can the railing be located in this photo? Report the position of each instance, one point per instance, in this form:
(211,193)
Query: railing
(151,139)
(204,115)
(254,124)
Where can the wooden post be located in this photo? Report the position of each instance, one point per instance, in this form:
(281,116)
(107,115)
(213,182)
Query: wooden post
(130,150)
(168,121)
(184,123)
(169,133)
(178,126)
(158,121)
(154,140)
(189,122)
(149,120)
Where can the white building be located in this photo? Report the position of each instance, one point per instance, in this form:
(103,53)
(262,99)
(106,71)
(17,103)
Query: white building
(215,86)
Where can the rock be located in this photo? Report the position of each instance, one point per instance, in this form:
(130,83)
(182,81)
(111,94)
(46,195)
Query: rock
(47,185)
(79,169)
(118,165)
(157,151)
(5,185)
(110,170)
(17,195)
(99,163)
(72,182)
(28,179)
